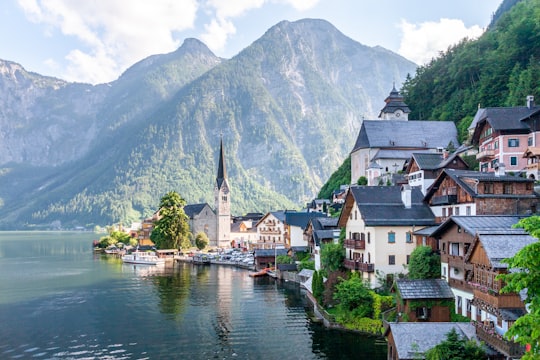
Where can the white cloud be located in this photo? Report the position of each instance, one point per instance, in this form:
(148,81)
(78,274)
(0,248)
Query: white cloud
(420,43)
(301,5)
(114,33)
(217,33)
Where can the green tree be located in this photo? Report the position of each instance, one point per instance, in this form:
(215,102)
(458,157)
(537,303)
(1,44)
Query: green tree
(526,263)
(172,228)
(456,348)
(362,180)
(201,240)
(317,285)
(284,259)
(353,294)
(332,256)
(424,264)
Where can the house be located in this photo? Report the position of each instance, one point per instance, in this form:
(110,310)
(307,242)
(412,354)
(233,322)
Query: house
(411,340)
(532,169)
(496,311)
(465,192)
(424,300)
(295,224)
(318,205)
(201,218)
(503,134)
(424,238)
(338,196)
(271,230)
(455,237)
(320,231)
(267,257)
(243,234)
(379,222)
(383,146)
(423,168)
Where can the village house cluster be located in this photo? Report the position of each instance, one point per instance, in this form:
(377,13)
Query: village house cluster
(419,191)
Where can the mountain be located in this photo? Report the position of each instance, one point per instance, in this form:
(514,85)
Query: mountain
(288,108)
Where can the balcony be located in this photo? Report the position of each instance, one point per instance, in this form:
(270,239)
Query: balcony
(494,298)
(355,244)
(459,284)
(485,155)
(359,266)
(488,334)
(444,200)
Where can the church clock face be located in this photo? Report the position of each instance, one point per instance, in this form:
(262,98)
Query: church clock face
(398,113)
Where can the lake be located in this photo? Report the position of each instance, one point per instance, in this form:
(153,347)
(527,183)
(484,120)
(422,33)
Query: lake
(59,300)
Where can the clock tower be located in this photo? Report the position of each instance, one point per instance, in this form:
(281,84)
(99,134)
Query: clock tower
(395,108)
(222,198)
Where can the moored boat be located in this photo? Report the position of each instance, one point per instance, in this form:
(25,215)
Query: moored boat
(201,259)
(143,257)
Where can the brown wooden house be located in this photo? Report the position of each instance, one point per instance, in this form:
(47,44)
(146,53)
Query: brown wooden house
(463,192)
(496,311)
(424,300)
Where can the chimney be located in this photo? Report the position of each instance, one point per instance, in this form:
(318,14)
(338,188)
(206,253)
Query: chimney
(445,154)
(530,101)
(500,170)
(406,196)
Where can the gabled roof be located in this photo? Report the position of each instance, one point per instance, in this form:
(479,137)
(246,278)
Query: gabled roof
(195,209)
(433,160)
(424,289)
(301,219)
(473,224)
(415,338)
(394,101)
(406,134)
(319,235)
(502,245)
(320,223)
(468,180)
(393,154)
(382,205)
(270,252)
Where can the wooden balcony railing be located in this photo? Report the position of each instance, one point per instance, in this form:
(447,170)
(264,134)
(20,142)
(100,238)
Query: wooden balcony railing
(492,338)
(359,266)
(485,154)
(444,200)
(355,244)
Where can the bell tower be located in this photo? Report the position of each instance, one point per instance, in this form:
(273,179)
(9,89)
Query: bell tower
(222,198)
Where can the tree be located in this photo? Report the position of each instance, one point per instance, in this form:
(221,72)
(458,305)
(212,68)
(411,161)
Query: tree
(317,285)
(456,348)
(201,240)
(424,264)
(362,180)
(353,295)
(332,256)
(172,228)
(526,275)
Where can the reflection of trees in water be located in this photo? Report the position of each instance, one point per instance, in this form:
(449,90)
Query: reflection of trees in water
(344,345)
(173,291)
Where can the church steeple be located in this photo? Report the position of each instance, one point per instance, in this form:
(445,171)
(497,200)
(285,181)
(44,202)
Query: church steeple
(222,170)
(395,108)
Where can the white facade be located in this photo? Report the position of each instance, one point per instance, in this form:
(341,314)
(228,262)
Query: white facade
(270,232)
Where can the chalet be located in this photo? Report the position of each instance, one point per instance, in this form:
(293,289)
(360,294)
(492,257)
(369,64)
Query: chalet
(532,169)
(320,231)
(383,146)
(267,257)
(243,234)
(423,168)
(295,224)
(411,340)
(496,312)
(424,300)
(318,205)
(464,192)
(379,222)
(455,237)
(271,230)
(502,135)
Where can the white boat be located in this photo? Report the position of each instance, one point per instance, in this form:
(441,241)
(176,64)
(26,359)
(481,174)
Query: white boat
(143,257)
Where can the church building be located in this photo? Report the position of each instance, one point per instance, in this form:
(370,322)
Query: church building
(383,146)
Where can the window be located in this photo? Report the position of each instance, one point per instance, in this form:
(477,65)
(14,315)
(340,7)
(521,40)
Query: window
(424,240)
(508,189)
(391,237)
(443,212)
(408,237)
(494,163)
(513,142)
(408,258)
(468,211)
(513,160)
(488,188)
(529,141)
(496,145)
(369,238)
(456,211)
(391,259)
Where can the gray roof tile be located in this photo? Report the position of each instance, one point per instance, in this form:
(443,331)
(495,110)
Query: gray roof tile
(424,289)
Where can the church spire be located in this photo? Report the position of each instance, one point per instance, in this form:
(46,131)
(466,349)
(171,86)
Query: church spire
(222,171)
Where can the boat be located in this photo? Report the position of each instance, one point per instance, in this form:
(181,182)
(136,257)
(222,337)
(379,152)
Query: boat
(143,258)
(272,273)
(263,272)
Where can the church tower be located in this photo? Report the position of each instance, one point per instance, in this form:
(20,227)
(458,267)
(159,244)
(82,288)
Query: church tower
(395,108)
(222,198)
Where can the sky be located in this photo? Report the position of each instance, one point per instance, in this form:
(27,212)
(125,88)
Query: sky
(95,41)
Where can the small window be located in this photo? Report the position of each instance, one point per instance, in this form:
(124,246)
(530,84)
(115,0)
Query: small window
(513,160)
(496,145)
(443,212)
(408,258)
(508,189)
(456,211)
(488,188)
(369,238)
(513,142)
(529,141)
(468,211)
(408,237)
(391,237)
(391,259)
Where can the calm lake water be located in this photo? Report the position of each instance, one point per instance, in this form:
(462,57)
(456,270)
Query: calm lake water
(58,300)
